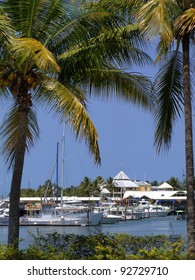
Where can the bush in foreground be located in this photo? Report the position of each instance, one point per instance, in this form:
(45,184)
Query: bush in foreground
(57,246)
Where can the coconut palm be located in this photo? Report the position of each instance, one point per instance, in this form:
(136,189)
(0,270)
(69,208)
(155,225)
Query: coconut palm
(57,54)
(174,23)
(85,186)
(169,23)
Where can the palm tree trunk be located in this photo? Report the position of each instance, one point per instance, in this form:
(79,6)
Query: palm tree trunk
(13,230)
(189,149)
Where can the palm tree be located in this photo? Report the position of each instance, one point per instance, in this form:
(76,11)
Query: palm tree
(174,22)
(176,183)
(58,54)
(169,21)
(85,186)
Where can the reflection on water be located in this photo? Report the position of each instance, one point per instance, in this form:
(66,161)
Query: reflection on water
(151,226)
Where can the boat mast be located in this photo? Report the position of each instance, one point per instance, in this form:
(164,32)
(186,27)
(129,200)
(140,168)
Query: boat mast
(63,149)
(57,186)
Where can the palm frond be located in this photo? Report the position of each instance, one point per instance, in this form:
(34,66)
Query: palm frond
(29,48)
(119,47)
(168,87)
(156,18)
(83,25)
(185,23)
(71,105)
(36,18)
(9,133)
(123,40)
(115,5)
(91,45)
(6,31)
(113,83)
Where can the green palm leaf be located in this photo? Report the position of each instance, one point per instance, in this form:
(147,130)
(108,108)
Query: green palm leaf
(135,87)
(84,23)
(70,104)
(9,133)
(108,48)
(86,51)
(108,43)
(185,23)
(32,18)
(169,98)
(155,18)
(27,48)
(6,31)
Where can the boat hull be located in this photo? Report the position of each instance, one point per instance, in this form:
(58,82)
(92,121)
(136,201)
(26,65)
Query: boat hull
(111,219)
(93,219)
(4,220)
(156,213)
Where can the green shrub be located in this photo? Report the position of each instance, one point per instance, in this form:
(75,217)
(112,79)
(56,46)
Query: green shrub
(99,246)
(170,251)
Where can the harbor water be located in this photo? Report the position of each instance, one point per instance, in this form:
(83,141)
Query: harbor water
(150,226)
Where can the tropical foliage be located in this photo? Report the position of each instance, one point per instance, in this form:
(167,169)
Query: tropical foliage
(169,24)
(88,187)
(99,247)
(172,22)
(56,54)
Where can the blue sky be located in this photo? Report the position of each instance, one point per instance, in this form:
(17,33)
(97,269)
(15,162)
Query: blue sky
(126,135)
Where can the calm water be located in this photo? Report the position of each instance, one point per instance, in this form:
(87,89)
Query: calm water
(152,226)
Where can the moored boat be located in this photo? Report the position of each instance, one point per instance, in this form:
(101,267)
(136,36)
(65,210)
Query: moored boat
(63,215)
(157,211)
(109,217)
(4,216)
(153,210)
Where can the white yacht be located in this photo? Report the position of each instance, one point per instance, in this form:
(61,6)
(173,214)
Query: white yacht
(157,210)
(153,210)
(63,215)
(110,215)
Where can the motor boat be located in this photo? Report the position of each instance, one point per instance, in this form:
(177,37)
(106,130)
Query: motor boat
(153,210)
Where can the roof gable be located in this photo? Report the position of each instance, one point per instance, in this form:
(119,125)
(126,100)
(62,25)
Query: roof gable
(121,176)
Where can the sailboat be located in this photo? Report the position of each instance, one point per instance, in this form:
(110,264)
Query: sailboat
(69,215)
(60,213)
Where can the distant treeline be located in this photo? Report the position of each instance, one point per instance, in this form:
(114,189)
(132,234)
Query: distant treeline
(87,187)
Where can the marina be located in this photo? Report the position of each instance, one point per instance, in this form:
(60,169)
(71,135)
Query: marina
(129,200)
(132,208)
(81,214)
